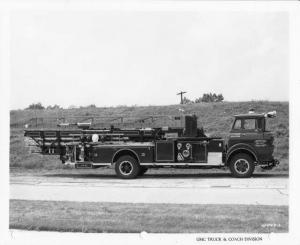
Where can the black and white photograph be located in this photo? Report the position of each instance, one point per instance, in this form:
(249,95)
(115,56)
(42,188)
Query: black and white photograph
(149,120)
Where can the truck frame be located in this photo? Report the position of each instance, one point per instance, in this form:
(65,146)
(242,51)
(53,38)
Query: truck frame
(131,152)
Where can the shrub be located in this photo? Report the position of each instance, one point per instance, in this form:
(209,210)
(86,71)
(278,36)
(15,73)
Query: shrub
(37,106)
(54,107)
(210,98)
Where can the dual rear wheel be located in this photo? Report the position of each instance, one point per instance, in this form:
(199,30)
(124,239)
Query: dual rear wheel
(127,167)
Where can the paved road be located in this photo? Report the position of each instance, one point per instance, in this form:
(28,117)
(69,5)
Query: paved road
(260,189)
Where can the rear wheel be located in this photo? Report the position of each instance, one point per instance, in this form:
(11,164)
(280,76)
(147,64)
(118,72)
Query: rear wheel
(127,167)
(242,165)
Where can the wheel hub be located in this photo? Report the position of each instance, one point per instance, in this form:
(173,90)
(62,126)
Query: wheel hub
(241,166)
(126,167)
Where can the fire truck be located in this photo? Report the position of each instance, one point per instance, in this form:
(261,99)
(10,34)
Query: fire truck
(132,151)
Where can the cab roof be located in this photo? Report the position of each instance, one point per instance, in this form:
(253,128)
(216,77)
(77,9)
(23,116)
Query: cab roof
(250,115)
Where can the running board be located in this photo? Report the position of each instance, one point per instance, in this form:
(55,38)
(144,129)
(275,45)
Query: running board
(181,164)
(171,164)
(83,165)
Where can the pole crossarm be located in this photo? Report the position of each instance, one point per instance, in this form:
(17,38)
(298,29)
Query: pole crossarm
(181,93)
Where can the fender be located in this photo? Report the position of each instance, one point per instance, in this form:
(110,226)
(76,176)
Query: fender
(241,146)
(122,150)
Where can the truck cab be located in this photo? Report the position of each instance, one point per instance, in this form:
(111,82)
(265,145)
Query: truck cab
(250,144)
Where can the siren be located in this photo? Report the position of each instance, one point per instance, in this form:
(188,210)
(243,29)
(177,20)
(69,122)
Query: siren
(251,111)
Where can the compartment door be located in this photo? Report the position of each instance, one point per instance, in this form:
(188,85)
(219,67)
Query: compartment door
(191,151)
(164,151)
(199,152)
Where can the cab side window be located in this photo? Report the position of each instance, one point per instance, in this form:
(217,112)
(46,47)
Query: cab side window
(250,124)
(245,124)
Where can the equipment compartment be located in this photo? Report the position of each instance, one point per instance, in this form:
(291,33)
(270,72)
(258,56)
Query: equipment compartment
(191,151)
(165,151)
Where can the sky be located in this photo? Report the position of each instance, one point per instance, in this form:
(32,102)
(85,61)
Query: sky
(111,58)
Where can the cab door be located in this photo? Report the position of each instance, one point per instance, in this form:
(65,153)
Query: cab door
(247,131)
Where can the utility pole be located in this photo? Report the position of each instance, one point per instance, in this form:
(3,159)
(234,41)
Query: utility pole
(181,93)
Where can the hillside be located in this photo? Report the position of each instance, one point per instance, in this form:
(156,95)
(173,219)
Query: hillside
(215,118)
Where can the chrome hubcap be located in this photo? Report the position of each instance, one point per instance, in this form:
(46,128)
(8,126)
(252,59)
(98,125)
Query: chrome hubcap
(241,166)
(126,167)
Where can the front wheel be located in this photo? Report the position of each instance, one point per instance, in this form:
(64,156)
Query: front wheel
(242,165)
(127,167)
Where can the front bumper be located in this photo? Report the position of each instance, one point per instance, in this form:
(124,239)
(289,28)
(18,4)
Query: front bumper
(270,164)
(276,162)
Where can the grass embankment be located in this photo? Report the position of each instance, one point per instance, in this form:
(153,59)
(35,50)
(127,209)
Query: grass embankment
(215,118)
(154,218)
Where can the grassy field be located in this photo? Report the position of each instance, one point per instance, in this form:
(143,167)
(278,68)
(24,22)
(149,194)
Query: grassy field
(215,118)
(154,218)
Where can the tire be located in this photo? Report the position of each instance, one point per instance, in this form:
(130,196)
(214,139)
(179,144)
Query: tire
(142,170)
(242,166)
(127,167)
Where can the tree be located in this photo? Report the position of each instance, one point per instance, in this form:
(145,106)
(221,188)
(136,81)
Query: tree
(72,107)
(206,98)
(37,106)
(88,106)
(210,97)
(185,100)
(214,97)
(220,98)
(198,100)
(54,107)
